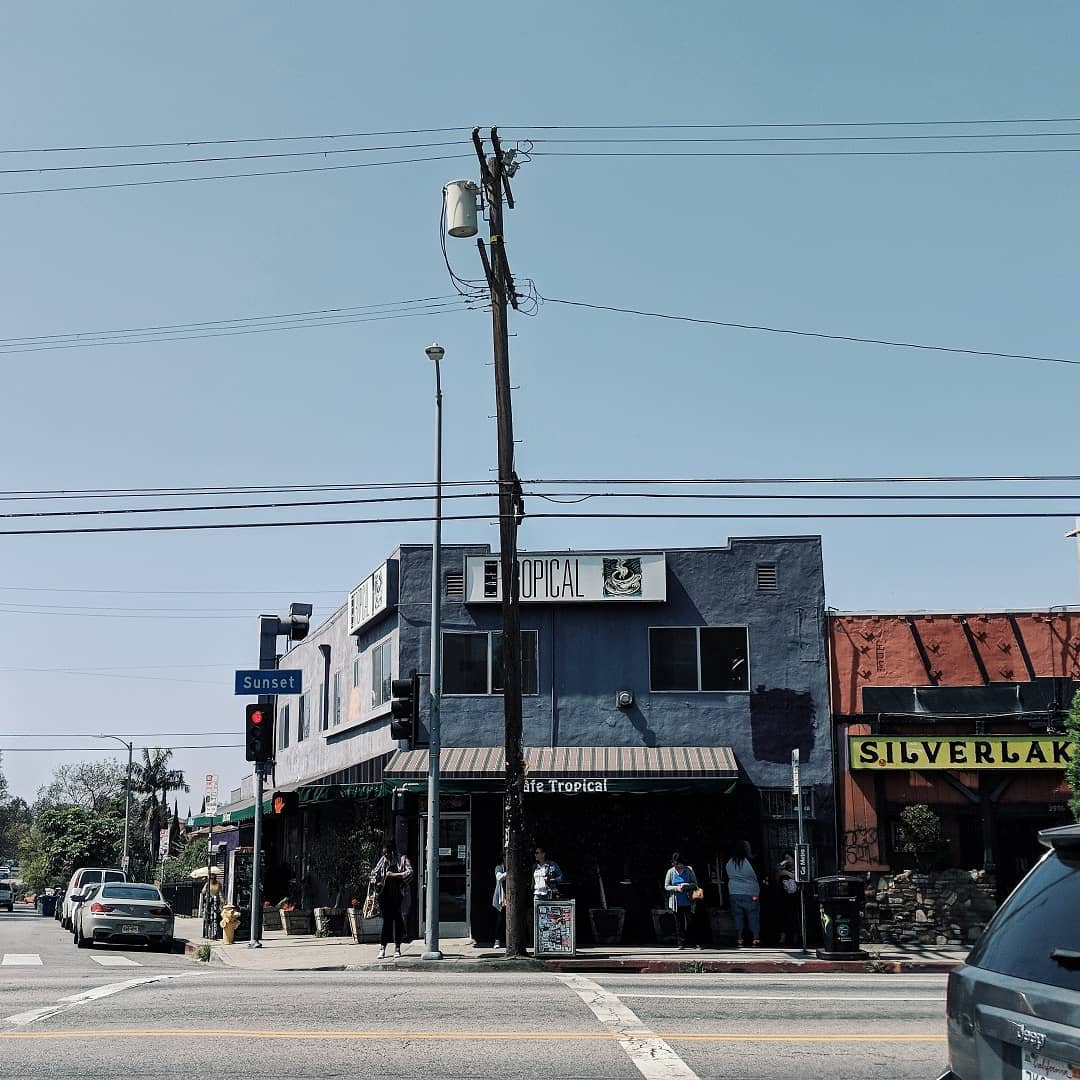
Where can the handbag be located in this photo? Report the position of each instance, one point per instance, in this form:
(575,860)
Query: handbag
(697,894)
(370,909)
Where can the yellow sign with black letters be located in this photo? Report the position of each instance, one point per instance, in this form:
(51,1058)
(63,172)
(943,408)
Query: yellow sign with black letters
(958,752)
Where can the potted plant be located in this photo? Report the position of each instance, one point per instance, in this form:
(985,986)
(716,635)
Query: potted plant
(271,917)
(606,922)
(341,859)
(294,920)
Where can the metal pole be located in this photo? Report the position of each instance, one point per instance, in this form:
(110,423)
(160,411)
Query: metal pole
(255,941)
(802,890)
(431,938)
(127,809)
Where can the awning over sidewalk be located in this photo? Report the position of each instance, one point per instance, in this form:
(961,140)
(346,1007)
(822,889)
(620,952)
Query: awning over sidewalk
(570,769)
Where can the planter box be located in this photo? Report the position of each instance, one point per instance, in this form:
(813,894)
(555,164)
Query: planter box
(330,922)
(664,927)
(361,929)
(271,919)
(722,929)
(607,924)
(296,922)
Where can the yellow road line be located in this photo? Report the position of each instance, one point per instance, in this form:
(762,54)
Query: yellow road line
(458,1036)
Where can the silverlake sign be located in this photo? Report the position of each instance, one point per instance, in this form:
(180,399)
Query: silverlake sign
(958,752)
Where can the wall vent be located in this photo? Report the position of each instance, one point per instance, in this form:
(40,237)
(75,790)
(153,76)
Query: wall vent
(455,586)
(766,577)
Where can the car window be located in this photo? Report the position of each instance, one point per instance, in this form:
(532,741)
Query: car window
(114,875)
(1039,918)
(118,891)
(88,876)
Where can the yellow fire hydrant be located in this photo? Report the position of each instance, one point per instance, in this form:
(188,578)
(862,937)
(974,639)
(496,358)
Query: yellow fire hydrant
(230,920)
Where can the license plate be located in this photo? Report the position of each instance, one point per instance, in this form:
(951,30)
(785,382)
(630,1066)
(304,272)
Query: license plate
(1037,1066)
(134,928)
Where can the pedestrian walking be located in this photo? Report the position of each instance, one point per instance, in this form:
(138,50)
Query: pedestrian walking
(546,876)
(390,876)
(681,885)
(744,891)
(498,902)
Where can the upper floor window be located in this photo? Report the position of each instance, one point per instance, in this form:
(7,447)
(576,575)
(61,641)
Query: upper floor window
(692,658)
(381,673)
(283,727)
(472,663)
(356,672)
(320,704)
(303,717)
(337,698)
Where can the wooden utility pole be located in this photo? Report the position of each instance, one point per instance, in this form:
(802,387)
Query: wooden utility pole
(501,287)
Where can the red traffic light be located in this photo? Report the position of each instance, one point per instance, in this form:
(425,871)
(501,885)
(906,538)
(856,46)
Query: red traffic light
(257,716)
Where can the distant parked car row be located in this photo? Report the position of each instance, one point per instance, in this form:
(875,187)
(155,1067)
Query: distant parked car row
(101,905)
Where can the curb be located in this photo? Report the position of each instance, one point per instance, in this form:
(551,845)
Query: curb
(753,967)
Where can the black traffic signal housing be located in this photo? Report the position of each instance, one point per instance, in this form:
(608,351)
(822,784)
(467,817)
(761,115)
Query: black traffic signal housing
(259,732)
(285,803)
(405,708)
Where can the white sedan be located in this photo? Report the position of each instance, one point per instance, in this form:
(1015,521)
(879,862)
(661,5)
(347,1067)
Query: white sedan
(130,912)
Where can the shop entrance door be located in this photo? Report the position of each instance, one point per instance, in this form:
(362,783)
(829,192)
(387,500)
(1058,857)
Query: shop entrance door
(455,847)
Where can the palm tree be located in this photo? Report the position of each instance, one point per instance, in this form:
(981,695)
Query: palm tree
(153,780)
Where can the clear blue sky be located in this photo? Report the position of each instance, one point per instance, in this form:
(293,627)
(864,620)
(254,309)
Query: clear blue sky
(975,251)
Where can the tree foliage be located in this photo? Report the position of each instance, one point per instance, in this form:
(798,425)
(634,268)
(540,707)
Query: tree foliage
(66,837)
(341,857)
(154,781)
(1072,770)
(94,785)
(921,835)
(190,858)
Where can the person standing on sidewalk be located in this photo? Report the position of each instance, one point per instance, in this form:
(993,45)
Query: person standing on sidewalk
(391,874)
(498,902)
(680,884)
(745,892)
(788,897)
(546,876)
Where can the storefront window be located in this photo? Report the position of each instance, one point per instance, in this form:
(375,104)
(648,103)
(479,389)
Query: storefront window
(709,658)
(528,663)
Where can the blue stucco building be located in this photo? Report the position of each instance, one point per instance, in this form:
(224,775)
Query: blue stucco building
(664,693)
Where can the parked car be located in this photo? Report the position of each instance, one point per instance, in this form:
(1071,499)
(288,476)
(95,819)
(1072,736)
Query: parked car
(7,895)
(85,875)
(1012,1006)
(124,911)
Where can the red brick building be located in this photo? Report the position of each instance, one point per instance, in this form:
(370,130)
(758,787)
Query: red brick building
(960,712)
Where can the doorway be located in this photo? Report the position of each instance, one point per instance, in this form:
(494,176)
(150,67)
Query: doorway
(455,851)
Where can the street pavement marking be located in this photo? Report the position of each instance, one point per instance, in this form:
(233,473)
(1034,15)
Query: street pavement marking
(21,959)
(115,961)
(463,1036)
(64,1003)
(782,997)
(649,1054)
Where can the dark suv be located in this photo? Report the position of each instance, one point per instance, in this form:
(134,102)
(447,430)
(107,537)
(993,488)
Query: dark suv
(1013,1007)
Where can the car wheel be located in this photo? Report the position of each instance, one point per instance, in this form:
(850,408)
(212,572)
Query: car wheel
(82,942)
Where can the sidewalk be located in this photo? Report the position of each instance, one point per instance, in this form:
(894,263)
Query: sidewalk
(282,952)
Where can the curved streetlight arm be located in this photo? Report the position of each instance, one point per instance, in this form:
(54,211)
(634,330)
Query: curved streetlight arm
(127,795)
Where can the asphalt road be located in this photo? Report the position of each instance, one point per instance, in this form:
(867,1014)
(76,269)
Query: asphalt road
(167,1016)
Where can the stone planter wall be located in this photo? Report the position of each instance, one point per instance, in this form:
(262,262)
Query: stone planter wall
(946,907)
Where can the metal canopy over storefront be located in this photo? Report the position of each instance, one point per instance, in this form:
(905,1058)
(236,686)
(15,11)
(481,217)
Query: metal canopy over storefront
(574,769)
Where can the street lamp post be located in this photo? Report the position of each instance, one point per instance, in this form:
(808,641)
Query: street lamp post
(435,353)
(127,797)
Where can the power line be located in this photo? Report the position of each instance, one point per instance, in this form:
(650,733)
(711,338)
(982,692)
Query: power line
(240,320)
(169,592)
(236,176)
(679,140)
(796,153)
(589,515)
(106,749)
(808,333)
(119,734)
(427,311)
(280,138)
(1012,479)
(236,157)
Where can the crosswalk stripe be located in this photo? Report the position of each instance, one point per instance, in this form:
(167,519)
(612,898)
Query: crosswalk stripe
(115,961)
(19,959)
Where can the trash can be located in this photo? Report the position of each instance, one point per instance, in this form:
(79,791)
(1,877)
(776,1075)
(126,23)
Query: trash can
(47,904)
(841,898)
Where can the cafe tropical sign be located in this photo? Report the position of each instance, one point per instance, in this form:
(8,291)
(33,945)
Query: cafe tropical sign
(570,577)
(958,752)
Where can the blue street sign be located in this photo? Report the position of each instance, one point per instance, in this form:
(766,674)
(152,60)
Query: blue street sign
(271,682)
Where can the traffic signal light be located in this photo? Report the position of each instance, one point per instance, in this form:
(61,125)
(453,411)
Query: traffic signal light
(285,803)
(405,707)
(259,730)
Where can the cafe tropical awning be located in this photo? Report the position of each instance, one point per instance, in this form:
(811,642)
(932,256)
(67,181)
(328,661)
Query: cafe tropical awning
(573,769)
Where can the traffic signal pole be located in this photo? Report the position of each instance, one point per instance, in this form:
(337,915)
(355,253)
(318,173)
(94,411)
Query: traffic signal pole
(269,626)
